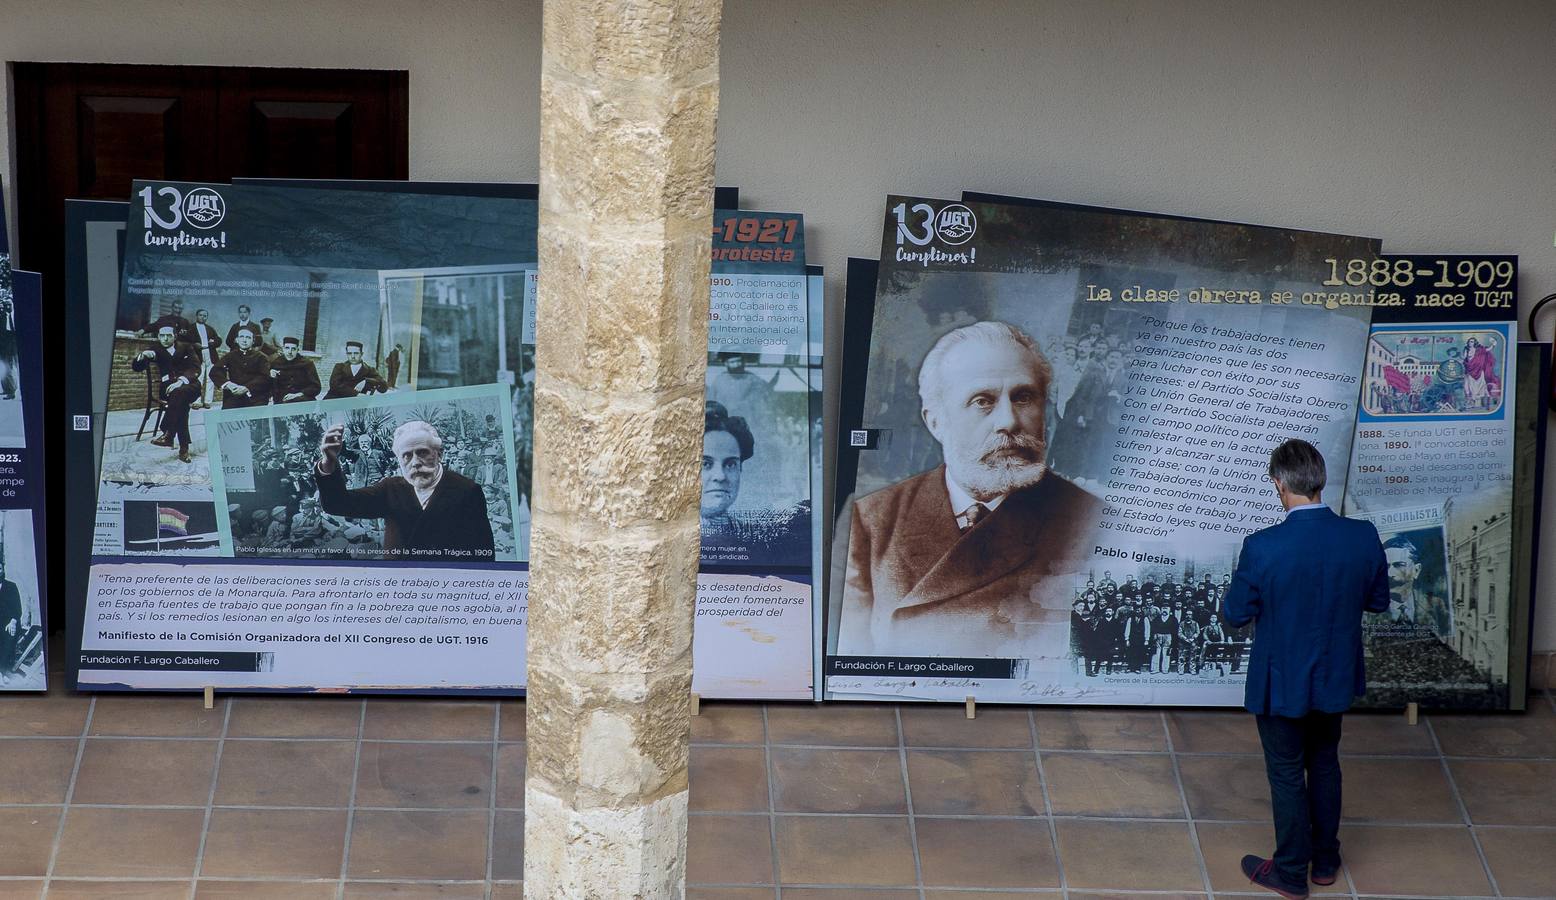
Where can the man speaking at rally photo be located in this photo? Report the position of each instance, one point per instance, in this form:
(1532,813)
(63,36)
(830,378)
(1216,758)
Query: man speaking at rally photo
(1304,583)
(429,511)
(978,556)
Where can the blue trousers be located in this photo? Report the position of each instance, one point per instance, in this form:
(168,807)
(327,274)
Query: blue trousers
(1302,760)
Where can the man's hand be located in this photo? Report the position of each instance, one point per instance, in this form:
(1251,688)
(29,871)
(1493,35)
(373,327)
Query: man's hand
(292,396)
(148,354)
(330,447)
(361,385)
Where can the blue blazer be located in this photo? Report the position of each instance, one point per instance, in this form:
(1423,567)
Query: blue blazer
(1305,583)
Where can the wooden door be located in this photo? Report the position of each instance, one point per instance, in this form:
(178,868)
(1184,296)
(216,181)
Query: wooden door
(86,131)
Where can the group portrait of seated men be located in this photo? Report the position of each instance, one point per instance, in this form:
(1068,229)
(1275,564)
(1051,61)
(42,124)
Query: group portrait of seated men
(196,367)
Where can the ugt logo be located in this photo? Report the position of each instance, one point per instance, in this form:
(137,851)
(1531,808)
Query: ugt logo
(956,224)
(202,208)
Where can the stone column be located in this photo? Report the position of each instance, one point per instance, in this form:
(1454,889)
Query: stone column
(629,103)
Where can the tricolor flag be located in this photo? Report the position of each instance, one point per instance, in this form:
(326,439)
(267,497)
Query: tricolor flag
(171,522)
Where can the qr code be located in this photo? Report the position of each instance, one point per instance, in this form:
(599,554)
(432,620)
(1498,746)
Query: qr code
(82,423)
(858,438)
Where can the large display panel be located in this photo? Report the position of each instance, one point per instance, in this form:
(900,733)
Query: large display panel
(1433,469)
(248,536)
(23,629)
(1061,437)
(255,327)
(760,463)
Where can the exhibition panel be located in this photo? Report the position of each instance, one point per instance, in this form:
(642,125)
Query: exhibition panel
(1094,395)
(275,344)
(378,323)
(23,574)
(1432,468)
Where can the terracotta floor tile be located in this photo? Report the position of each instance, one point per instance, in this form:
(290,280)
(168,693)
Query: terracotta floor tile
(975,782)
(27,836)
(265,890)
(510,775)
(274,843)
(729,850)
(994,853)
(752,893)
(1400,860)
(443,776)
(136,843)
(1224,846)
(1532,733)
(944,725)
(853,894)
(1222,787)
(109,890)
(1397,790)
(1099,729)
(448,844)
(1523,860)
(833,724)
(1128,855)
(728,779)
(983,895)
(409,890)
(21,890)
(845,850)
(1507,792)
(285,773)
(1383,734)
(511,721)
(429,720)
(851,781)
(1109,784)
(145,773)
(728,723)
(304,717)
(36,770)
(508,844)
(170,715)
(43,715)
(1213,732)
(508,890)
(1115,895)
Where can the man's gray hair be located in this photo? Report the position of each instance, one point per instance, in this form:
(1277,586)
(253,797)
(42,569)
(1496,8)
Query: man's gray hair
(415,428)
(1300,467)
(989,333)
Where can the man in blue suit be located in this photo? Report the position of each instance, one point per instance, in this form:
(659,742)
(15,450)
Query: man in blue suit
(1304,584)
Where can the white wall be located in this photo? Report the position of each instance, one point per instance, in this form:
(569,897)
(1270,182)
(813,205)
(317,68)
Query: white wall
(1429,124)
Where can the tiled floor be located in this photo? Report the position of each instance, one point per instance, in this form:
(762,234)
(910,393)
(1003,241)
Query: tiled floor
(155,797)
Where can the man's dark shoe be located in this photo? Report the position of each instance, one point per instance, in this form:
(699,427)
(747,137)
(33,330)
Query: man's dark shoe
(162,440)
(1324,875)
(1262,872)
(184,457)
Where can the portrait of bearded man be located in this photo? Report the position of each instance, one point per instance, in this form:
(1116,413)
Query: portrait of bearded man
(979,555)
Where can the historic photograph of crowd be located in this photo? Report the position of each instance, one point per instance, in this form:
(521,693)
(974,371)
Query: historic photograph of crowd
(427,476)
(1159,627)
(1444,639)
(1434,373)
